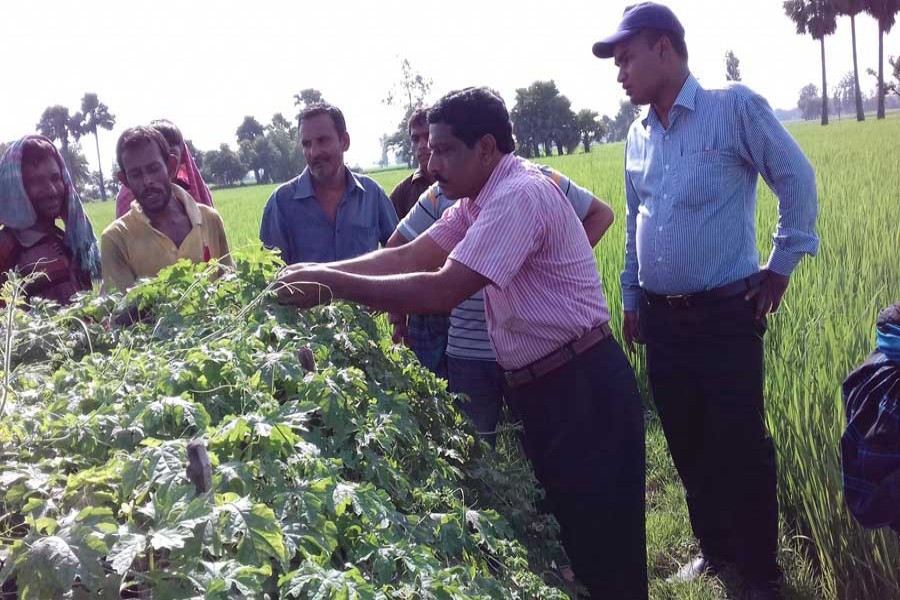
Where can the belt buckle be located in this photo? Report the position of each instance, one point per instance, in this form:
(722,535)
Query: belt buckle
(677,300)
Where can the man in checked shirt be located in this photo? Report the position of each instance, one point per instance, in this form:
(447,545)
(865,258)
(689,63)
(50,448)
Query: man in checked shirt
(513,233)
(693,289)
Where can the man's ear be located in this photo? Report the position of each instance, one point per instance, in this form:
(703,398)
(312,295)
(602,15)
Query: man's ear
(487,147)
(172,166)
(345,141)
(122,179)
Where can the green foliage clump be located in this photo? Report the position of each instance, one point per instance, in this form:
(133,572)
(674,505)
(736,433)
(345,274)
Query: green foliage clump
(354,479)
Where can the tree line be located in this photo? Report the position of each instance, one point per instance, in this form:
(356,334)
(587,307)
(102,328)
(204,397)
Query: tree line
(818,19)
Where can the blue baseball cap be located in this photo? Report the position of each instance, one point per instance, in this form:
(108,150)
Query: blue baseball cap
(646,15)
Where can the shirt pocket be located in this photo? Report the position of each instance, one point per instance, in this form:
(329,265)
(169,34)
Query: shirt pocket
(362,239)
(700,178)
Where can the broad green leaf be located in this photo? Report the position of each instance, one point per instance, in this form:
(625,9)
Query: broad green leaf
(128,546)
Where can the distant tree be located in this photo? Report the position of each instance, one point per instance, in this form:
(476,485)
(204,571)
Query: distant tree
(265,156)
(225,166)
(306,98)
(732,67)
(619,126)
(851,8)
(607,125)
(885,12)
(894,86)
(809,103)
(250,160)
(845,93)
(818,18)
(543,117)
(95,115)
(286,157)
(249,130)
(3,147)
(57,124)
(280,122)
(412,89)
(409,93)
(589,128)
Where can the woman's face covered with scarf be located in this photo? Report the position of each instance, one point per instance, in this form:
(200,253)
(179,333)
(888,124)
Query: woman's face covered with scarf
(44,184)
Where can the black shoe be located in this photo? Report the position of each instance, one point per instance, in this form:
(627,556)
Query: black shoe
(699,566)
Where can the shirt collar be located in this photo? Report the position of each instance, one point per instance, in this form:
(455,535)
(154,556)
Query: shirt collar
(503,168)
(688,94)
(420,174)
(686,98)
(304,187)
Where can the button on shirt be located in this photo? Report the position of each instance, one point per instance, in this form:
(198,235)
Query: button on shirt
(468,336)
(691,193)
(294,222)
(521,233)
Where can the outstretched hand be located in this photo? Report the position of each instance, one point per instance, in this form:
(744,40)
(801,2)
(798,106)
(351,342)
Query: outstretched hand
(299,286)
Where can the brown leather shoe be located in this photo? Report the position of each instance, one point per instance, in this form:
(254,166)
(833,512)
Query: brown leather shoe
(698,566)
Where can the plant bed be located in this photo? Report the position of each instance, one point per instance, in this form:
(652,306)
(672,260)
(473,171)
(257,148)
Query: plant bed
(340,468)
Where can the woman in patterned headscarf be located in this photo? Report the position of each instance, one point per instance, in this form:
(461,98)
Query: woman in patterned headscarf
(35,192)
(187,176)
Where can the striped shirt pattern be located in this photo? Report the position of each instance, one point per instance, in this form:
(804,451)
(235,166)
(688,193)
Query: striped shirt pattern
(522,234)
(468,336)
(691,193)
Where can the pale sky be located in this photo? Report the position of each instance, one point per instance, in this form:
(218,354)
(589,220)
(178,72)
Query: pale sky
(204,65)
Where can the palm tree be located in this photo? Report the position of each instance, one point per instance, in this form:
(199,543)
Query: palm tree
(884,12)
(57,124)
(851,8)
(818,18)
(94,114)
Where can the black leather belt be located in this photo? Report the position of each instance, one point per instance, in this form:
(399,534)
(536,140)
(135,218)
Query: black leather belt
(729,290)
(558,358)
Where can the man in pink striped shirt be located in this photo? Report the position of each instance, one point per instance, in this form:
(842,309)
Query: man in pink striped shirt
(514,234)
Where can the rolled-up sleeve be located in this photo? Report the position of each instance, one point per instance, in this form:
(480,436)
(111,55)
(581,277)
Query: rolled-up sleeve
(785,168)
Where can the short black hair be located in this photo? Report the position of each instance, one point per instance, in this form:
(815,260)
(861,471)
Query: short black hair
(651,36)
(473,113)
(324,108)
(138,136)
(418,118)
(169,130)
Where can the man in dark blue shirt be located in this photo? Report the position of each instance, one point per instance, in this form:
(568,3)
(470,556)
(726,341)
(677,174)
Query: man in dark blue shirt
(327,213)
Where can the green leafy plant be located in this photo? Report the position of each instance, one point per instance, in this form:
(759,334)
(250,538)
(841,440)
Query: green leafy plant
(340,469)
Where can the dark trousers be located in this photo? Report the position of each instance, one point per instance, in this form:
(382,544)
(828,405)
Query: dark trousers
(705,366)
(584,435)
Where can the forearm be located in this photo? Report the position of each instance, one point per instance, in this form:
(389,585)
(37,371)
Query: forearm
(378,262)
(417,293)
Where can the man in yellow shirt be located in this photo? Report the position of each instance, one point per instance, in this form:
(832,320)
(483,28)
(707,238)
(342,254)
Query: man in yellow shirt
(164,223)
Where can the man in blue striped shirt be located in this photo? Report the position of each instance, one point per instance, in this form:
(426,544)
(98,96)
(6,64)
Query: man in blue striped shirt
(692,287)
